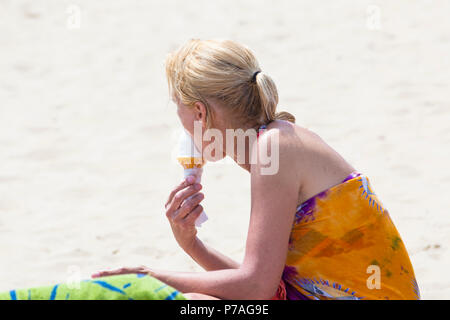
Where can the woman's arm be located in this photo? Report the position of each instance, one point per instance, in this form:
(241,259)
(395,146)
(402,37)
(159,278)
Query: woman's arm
(274,199)
(209,258)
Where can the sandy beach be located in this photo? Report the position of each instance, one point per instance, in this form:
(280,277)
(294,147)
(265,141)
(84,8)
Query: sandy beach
(88,132)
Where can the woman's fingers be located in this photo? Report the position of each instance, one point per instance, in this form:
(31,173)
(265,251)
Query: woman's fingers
(123,270)
(188,206)
(185,183)
(181,196)
(193,215)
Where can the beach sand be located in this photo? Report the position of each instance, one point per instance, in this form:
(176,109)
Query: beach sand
(87,131)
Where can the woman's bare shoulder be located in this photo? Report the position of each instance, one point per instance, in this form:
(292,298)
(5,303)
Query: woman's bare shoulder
(282,141)
(298,137)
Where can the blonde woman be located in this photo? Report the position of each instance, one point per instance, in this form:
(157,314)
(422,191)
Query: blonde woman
(317,230)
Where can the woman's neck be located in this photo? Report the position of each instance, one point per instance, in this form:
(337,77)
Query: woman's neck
(241,154)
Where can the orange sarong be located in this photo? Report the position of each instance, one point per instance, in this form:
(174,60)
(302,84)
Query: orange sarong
(344,245)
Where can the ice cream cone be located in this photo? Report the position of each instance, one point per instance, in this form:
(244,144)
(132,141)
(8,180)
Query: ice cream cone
(192,162)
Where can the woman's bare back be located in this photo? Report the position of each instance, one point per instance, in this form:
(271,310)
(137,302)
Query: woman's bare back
(320,166)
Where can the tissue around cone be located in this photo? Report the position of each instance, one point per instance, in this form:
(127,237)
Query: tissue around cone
(191,162)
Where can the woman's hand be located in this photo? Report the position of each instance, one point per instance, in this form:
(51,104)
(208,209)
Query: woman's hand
(123,270)
(182,209)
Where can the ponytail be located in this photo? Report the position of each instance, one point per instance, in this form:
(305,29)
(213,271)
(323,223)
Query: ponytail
(268,97)
(283,115)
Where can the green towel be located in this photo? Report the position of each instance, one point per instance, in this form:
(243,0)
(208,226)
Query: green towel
(122,287)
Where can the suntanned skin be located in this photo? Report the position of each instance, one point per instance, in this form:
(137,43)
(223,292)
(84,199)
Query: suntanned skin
(307,166)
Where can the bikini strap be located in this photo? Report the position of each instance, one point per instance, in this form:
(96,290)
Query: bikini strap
(261,130)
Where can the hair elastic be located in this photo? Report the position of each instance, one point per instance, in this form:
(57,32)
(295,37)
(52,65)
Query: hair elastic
(254,75)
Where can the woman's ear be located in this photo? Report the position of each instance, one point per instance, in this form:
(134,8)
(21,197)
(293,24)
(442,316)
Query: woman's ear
(200,112)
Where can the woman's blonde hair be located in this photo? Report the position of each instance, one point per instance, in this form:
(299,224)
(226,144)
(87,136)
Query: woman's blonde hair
(227,72)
